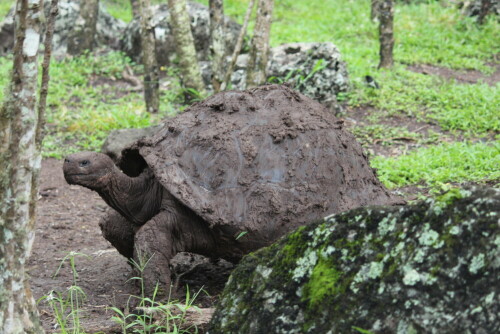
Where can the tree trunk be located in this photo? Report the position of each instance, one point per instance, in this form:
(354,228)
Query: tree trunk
(374,14)
(136,9)
(237,47)
(181,28)
(486,6)
(386,33)
(83,35)
(20,162)
(217,42)
(151,74)
(259,52)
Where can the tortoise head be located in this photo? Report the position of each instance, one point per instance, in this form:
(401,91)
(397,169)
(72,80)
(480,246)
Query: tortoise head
(89,169)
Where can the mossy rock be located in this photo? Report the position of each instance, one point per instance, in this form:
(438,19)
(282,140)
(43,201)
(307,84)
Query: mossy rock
(432,267)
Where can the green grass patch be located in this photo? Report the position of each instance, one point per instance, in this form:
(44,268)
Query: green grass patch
(84,105)
(5,68)
(122,9)
(83,108)
(450,162)
(465,107)
(83,112)
(5,6)
(119,9)
(429,32)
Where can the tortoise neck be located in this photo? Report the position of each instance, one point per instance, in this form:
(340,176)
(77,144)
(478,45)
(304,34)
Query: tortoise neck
(135,198)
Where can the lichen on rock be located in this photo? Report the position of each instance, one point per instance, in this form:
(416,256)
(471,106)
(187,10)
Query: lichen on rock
(431,267)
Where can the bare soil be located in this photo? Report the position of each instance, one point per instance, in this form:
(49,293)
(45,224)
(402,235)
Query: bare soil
(67,218)
(464,76)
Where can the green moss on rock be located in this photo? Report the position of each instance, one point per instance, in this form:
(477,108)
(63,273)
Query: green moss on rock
(324,282)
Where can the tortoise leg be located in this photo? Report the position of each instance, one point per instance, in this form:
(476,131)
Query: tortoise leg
(154,248)
(172,230)
(119,232)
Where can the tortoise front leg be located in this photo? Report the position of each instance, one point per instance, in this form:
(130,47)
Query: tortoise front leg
(155,246)
(174,229)
(119,232)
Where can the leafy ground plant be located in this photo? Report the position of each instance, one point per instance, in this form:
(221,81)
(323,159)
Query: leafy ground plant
(67,305)
(152,316)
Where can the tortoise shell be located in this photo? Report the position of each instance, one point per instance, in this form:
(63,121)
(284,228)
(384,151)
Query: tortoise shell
(265,160)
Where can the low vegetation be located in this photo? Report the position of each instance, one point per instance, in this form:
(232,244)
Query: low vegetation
(88,97)
(153,316)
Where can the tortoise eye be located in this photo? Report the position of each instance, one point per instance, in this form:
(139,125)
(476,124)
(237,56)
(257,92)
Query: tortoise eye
(84,163)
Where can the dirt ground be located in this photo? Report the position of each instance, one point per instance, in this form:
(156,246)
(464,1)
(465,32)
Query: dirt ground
(67,218)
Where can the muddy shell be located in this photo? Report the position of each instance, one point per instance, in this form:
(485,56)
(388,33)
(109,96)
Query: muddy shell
(265,160)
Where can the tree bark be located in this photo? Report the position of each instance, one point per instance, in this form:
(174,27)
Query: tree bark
(151,73)
(83,35)
(386,33)
(217,42)
(374,14)
(19,167)
(136,9)
(237,47)
(259,52)
(486,6)
(181,28)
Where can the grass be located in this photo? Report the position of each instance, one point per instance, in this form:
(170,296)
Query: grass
(67,306)
(465,107)
(444,163)
(5,7)
(81,112)
(154,316)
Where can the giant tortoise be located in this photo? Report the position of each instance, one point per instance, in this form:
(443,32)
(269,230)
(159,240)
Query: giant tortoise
(229,175)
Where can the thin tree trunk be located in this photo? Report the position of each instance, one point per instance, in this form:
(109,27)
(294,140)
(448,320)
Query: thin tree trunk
(486,6)
(181,28)
(259,52)
(217,42)
(374,14)
(237,48)
(44,90)
(19,165)
(136,9)
(151,74)
(83,35)
(386,33)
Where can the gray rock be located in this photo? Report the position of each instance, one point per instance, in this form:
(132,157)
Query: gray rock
(473,7)
(165,43)
(109,29)
(118,140)
(314,69)
(7,33)
(432,267)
